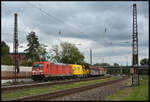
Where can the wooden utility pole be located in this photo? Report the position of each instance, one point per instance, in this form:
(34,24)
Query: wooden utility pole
(15,48)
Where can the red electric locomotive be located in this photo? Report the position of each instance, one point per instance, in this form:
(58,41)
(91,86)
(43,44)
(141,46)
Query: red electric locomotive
(47,70)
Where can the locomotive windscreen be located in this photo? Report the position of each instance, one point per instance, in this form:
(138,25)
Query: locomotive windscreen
(38,65)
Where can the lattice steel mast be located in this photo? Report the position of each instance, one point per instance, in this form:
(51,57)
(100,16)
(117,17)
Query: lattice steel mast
(15,47)
(135,38)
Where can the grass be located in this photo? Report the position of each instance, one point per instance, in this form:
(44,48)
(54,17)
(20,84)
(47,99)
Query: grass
(34,91)
(135,93)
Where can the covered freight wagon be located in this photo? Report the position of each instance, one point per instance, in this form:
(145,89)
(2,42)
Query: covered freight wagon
(96,71)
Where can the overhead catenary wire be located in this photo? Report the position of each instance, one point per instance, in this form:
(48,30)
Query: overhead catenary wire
(74,26)
(60,20)
(56,18)
(49,15)
(21,33)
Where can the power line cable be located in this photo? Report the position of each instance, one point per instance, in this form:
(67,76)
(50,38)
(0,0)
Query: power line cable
(56,18)
(74,26)
(60,20)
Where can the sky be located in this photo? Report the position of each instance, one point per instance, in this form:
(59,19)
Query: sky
(103,27)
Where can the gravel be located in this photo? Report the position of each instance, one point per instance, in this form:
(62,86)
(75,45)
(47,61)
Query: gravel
(96,94)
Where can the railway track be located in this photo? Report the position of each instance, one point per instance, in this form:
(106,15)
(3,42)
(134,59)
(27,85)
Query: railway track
(60,93)
(43,84)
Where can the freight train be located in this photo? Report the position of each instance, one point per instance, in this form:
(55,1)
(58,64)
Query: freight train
(50,71)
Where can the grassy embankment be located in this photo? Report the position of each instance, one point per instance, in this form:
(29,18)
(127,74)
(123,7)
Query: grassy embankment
(135,93)
(34,91)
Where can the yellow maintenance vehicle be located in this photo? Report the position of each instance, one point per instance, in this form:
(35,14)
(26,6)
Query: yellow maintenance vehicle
(79,71)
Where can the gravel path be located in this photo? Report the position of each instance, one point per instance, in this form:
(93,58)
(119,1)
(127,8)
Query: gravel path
(96,94)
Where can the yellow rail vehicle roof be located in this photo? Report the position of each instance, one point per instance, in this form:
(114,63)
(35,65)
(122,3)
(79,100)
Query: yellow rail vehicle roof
(76,69)
(85,71)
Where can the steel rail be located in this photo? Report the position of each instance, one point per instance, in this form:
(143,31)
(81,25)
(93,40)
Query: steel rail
(60,93)
(43,84)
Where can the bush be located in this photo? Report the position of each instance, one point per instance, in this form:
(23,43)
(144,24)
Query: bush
(7,60)
(29,63)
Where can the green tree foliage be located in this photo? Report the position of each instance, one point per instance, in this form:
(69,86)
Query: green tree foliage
(5,49)
(85,64)
(144,61)
(6,59)
(57,53)
(33,44)
(29,63)
(104,64)
(97,64)
(116,65)
(35,50)
(42,52)
(69,53)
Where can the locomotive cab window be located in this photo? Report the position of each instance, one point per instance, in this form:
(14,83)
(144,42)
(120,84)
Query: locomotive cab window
(38,65)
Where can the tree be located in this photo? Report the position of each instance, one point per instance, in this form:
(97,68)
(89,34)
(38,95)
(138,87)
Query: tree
(101,64)
(104,64)
(35,50)
(68,53)
(144,61)
(57,53)
(116,65)
(97,64)
(42,52)
(5,49)
(6,59)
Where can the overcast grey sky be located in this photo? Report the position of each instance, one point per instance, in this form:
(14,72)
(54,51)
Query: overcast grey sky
(81,22)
